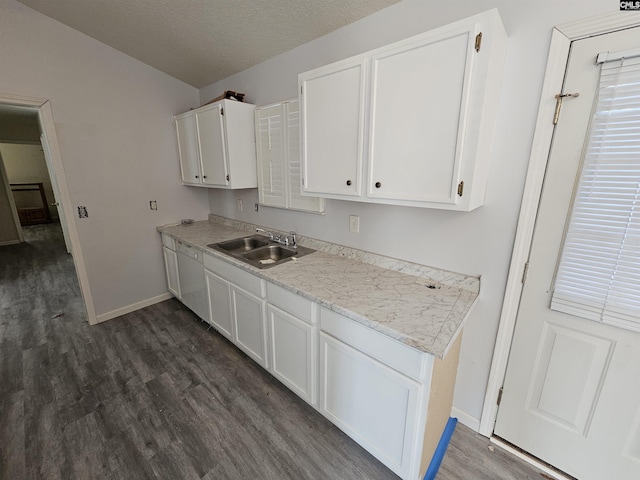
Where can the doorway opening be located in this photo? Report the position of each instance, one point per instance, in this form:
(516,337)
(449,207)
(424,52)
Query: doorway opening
(39,193)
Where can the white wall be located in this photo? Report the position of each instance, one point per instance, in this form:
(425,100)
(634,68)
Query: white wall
(113,119)
(479,242)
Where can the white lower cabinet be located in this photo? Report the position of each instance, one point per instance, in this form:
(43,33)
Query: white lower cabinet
(219,292)
(293,341)
(171,269)
(374,404)
(171,265)
(390,398)
(249,324)
(237,307)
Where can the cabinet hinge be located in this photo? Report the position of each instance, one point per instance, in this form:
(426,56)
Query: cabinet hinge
(300,89)
(221,111)
(460,188)
(524,272)
(499,396)
(559,97)
(478,41)
(227,178)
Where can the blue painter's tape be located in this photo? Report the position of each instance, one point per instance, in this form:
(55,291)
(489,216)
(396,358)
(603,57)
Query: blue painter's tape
(441,449)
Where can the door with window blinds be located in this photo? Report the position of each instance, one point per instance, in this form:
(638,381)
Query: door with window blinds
(571,395)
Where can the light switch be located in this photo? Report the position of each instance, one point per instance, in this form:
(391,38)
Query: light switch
(354,223)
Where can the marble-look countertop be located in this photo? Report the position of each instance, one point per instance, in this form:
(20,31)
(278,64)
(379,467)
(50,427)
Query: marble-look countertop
(424,309)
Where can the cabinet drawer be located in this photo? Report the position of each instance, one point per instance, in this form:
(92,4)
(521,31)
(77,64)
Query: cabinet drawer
(168,242)
(189,251)
(290,302)
(375,344)
(235,275)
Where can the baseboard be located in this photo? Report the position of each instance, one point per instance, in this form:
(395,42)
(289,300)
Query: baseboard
(103,317)
(466,419)
(9,242)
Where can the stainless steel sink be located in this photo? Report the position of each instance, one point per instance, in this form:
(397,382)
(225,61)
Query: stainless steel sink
(259,251)
(269,254)
(244,244)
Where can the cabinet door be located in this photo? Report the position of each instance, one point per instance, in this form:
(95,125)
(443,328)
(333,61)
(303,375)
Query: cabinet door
(171,269)
(219,294)
(211,140)
(332,105)
(372,403)
(249,324)
(415,142)
(292,353)
(188,149)
(270,150)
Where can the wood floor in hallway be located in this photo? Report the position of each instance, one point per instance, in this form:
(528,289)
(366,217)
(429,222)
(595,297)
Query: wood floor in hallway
(154,394)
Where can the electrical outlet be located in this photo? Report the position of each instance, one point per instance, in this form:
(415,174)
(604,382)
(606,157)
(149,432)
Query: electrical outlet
(354,223)
(153,205)
(82,212)
(239,201)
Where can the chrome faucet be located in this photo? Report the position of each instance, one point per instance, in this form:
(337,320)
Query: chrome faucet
(270,234)
(288,240)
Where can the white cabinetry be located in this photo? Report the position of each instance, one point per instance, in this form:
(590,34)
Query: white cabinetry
(171,265)
(216,145)
(390,398)
(292,341)
(366,390)
(333,108)
(414,119)
(240,314)
(219,293)
(278,151)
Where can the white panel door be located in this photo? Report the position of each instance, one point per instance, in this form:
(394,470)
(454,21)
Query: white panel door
(219,293)
(249,324)
(572,390)
(292,352)
(188,149)
(213,151)
(414,145)
(332,106)
(371,402)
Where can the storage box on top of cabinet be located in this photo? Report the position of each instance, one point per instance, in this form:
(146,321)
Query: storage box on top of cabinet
(410,123)
(217,146)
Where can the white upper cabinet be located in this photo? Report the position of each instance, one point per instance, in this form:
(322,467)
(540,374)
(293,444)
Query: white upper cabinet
(278,151)
(333,106)
(188,149)
(414,119)
(216,145)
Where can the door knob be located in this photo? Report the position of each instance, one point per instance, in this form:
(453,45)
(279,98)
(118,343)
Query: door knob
(348,182)
(378,184)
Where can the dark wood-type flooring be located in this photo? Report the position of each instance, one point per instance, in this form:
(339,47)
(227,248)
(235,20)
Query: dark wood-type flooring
(153,394)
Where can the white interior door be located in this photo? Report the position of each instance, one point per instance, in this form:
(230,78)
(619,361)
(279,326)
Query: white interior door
(572,390)
(56,191)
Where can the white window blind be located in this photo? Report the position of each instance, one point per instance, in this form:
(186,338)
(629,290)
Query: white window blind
(598,274)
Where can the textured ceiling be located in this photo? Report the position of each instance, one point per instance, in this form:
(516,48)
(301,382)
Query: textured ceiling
(203,41)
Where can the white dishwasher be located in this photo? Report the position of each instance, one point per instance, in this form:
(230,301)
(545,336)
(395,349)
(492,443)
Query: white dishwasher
(192,283)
